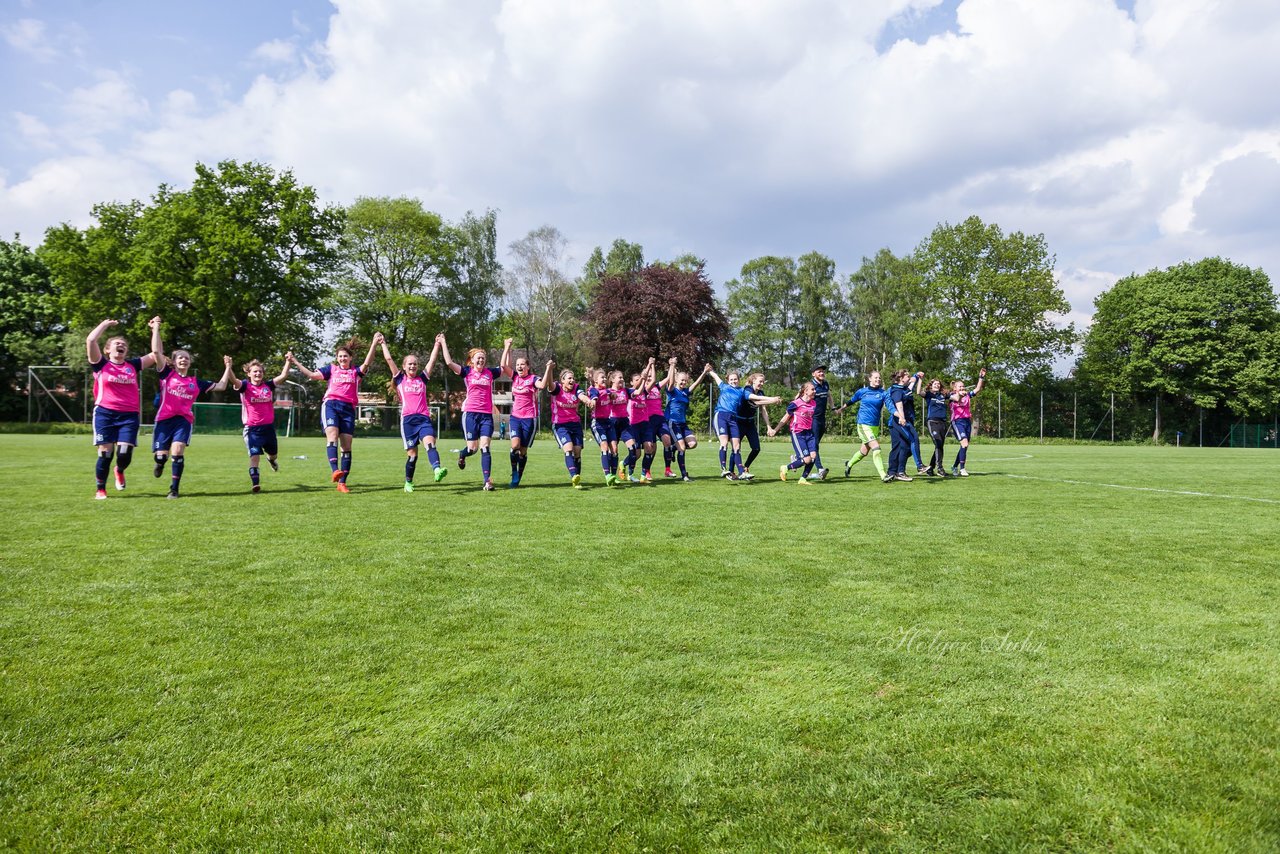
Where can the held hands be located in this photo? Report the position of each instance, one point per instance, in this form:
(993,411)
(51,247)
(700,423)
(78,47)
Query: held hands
(771,432)
(226,360)
(153,322)
(672,361)
(982,372)
(507,342)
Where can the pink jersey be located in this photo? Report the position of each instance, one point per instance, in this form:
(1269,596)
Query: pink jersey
(344,384)
(257,403)
(802,414)
(564,404)
(479,389)
(653,402)
(178,394)
(603,408)
(524,396)
(412,391)
(962,408)
(619,398)
(637,407)
(115,386)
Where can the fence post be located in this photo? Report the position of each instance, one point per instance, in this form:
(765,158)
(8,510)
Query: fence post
(1113,417)
(999,414)
(1075,407)
(1042,418)
(1201,409)
(29,394)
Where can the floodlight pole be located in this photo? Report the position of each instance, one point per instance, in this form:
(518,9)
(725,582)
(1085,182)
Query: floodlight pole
(1042,418)
(999,414)
(1075,408)
(1113,417)
(1201,408)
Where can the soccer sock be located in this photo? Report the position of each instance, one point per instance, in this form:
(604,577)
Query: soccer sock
(486,462)
(465,452)
(332,450)
(253,475)
(630,461)
(103,468)
(755,452)
(515,462)
(613,463)
(680,460)
(160,459)
(808,467)
(795,464)
(857,457)
(179,463)
(604,461)
(647,462)
(346,466)
(124,456)
(524,458)
(723,459)
(879,461)
(735,461)
(433,456)
(963,455)
(570,463)
(668,453)
(410,466)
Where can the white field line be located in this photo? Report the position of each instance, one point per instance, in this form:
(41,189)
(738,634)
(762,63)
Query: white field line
(1145,488)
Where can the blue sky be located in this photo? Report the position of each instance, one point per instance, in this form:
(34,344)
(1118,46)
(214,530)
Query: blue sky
(1132,134)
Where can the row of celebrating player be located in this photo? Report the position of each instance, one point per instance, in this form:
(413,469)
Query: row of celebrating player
(630,416)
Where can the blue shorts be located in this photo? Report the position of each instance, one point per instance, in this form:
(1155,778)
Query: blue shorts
(726,424)
(658,424)
(748,431)
(626,433)
(603,430)
(170,430)
(569,433)
(415,429)
(476,425)
(680,430)
(962,427)
(804,443)
(261,439)
(523,429)
(642,433)
(340,414)
(112,427)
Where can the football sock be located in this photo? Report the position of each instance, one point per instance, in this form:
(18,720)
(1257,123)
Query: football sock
(879,461)
(332,450)
(124,456)
(103,468)
(570,463)
(253,475)
(410,466)
(680,460)
(515,462)
(346,466)
(486,462)
(179,463)
(433,456)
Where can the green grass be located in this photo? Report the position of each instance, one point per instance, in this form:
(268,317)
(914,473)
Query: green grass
(989,664)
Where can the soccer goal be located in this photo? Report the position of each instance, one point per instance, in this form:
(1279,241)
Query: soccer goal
(57,393)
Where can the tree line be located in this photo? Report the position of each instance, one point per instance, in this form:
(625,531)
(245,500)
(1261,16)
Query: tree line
(249,262)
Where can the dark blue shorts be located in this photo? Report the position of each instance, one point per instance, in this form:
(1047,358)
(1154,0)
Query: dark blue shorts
(170,430)
(261,439)
(476,425)
(726,424)
(680,430)
(749,432)
(112,427)
(804,443)
(642,432)
(340,414)
(658,424)
(570,433)
(603,430)
(962,427)
(523,429)
(626,433)
(415,429)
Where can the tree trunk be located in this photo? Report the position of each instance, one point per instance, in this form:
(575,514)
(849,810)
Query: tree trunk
(1155,436)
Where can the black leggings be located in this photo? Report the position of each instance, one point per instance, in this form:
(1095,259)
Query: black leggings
(938,433)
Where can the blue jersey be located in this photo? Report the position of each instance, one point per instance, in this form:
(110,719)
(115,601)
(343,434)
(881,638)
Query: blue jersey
(821,394)
(936,404)
(729,398)
(869,400)
(677,405)
(746,409)
(901,394)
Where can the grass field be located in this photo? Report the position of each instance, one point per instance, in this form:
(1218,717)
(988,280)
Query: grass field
(1076,648)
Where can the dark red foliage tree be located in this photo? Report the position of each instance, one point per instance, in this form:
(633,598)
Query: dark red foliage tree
(658,311)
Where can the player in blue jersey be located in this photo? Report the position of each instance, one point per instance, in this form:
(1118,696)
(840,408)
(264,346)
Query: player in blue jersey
(870,400)
(935,401)
(748,428)
(821,399)
(725,421)
(902,422)
(677,413)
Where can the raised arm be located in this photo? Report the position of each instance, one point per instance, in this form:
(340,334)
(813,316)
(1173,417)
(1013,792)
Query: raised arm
(706,369)
(647,376)
(92,350)
(715,378)
(917,384)
(284,371)
(982,378)
(304,370)
(227,375)
(431,360)
(669,380)
(505,361)
(782,422)
(391,363)
(448,360)
(545,379)
(368,359)
(157,346)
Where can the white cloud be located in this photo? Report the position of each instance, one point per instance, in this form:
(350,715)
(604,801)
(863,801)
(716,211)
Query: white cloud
(278,51)
(29,36)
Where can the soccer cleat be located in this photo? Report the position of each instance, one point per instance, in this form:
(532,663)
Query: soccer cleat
(342,487)
(408,486)
(275,466)
(119,480)
(647,478)
(955,471)
(669,472)
(515,481)
(964,472)
(848,464)
(782,473)
(730,476)
(804,481)
(439,474)
(173,493)
(488,486)
(576,480)
(611,479)
(622,476)
(256,489)
(687,479)
(888,479)
(159,469)
(928,472)
(100,495)
(746,475)
(904,477)
(462,460)
(920,471)
(336,475)
(822,473)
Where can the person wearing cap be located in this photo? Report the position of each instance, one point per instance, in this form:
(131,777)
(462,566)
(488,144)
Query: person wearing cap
(821,394)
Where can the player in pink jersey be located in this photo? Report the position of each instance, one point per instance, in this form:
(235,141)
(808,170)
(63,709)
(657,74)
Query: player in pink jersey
(410,386)
(637,436)
(525,385)
(804,441)
(566,419)
(962,420)
(117,400)
(258,414)
(603,430)
(341,397)
(175,418)
(477,409)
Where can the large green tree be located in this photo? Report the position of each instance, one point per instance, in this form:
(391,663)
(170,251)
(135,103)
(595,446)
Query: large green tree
(892,324)
(473,292)
(991,297)
(761,309)
(394,258)
(236,264)
(545,309)
(822,320)
(622,259)
(30,327)
(1206,332)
